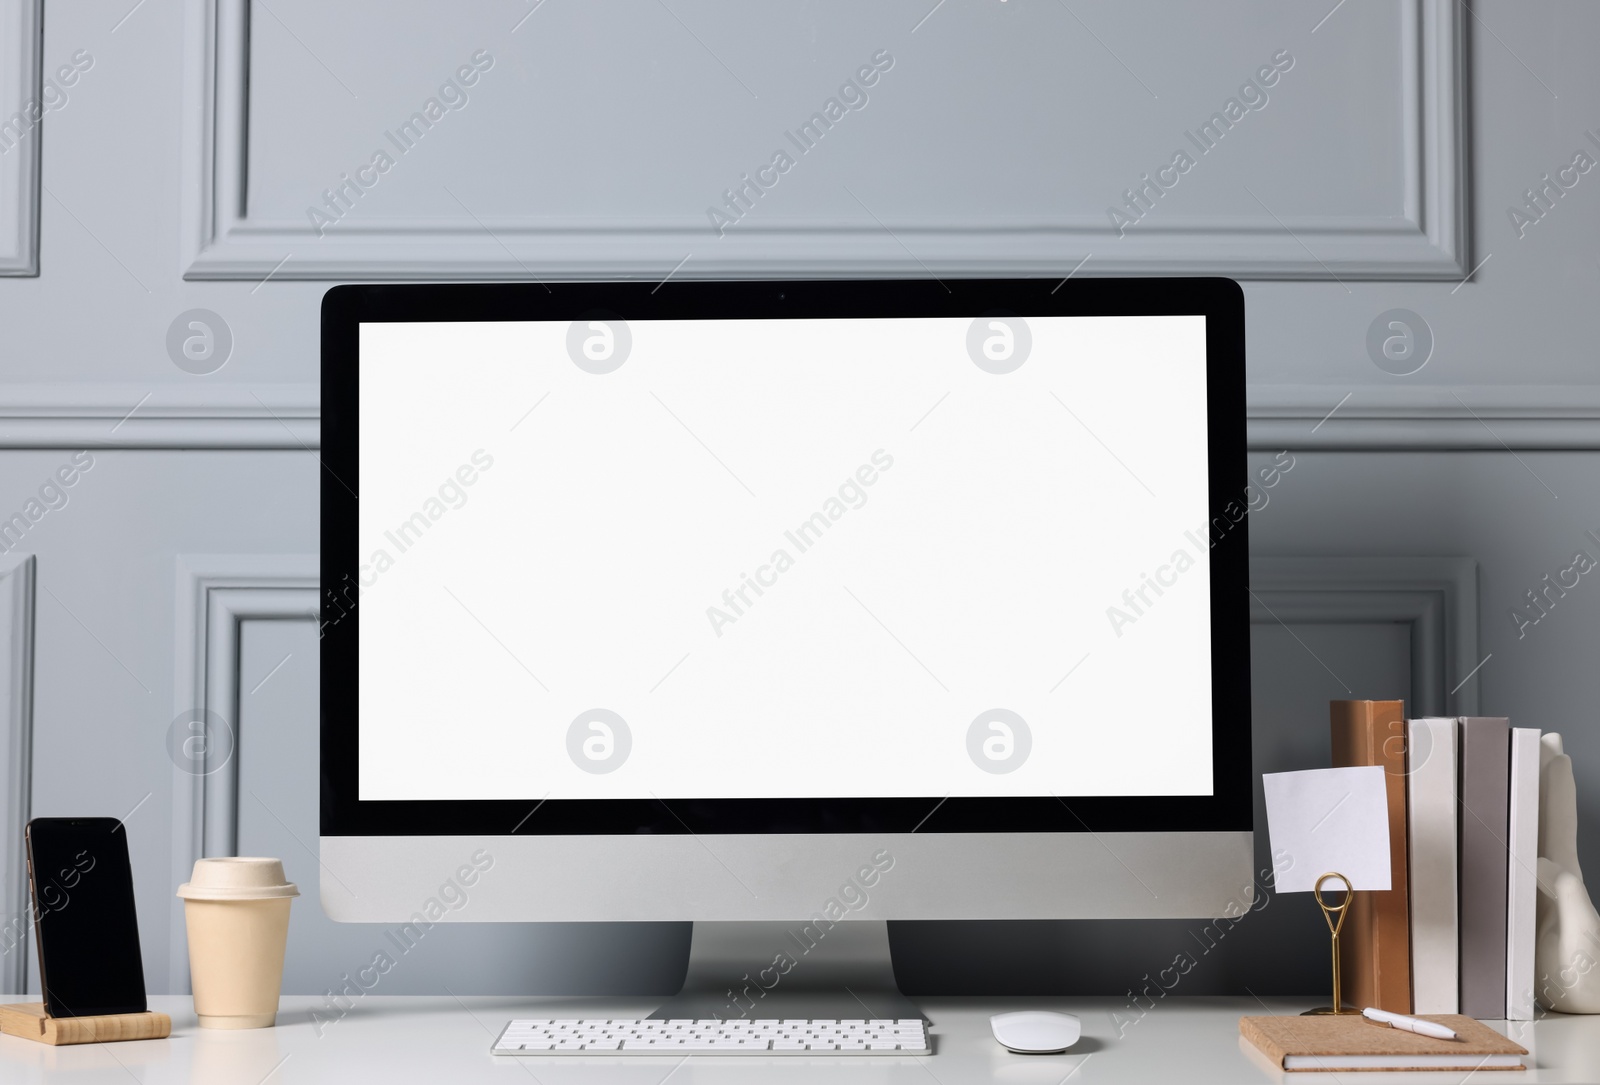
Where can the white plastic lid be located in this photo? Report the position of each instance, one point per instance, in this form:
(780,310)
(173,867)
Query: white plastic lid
(237,878)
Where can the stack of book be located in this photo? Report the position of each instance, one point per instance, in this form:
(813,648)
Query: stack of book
(1455,933)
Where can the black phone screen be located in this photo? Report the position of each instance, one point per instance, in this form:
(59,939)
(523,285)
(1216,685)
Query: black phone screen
(87,932)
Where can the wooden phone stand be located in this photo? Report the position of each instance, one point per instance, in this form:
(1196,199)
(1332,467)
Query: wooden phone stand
(29,1021)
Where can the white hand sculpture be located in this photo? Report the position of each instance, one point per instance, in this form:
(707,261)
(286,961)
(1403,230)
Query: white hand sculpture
(1567,951)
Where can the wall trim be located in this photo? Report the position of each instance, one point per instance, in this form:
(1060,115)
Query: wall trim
(1436,596)
(18,576)
(1427,238)
(1374,418)
(22,31)
(215,593)
(85,415)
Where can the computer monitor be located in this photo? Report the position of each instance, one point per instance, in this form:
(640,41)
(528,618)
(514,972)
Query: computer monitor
(808,604)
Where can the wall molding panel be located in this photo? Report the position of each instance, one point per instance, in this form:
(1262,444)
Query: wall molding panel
(1426,237)
(21,63)
(1437,597)
(46,415)
(1374,418)
(215,594)
(18,576)
(1315,418)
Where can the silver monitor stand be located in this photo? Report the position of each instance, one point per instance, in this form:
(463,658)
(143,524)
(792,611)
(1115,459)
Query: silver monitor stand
(764,970)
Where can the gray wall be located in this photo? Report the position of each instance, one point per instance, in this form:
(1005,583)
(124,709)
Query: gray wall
(176,170)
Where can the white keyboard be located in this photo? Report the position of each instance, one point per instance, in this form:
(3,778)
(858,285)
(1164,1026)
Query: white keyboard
(709,1036)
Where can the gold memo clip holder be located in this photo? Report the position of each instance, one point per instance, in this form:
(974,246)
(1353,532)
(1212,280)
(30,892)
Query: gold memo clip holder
(1334,915)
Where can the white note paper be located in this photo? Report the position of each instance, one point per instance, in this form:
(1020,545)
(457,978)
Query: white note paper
(1328,820)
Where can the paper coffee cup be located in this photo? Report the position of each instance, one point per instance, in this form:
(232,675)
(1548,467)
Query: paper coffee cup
(237,914)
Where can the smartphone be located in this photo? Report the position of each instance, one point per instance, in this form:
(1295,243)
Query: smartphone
(83,919)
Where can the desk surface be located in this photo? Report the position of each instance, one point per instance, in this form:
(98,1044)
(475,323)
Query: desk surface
(444,1039)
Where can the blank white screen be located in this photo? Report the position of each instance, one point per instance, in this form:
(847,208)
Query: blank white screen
(981,565)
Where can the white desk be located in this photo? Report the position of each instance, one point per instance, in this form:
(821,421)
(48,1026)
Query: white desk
(445,1041)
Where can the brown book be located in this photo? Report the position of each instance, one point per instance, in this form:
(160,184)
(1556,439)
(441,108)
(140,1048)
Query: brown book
(1351,1042)
(1375,942)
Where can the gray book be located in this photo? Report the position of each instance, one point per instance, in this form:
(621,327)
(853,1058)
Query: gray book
(1485,799)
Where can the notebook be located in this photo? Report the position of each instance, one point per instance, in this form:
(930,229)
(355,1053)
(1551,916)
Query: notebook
(1351,1042)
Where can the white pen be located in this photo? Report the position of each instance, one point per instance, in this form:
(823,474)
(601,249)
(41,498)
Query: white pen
(1410,1024)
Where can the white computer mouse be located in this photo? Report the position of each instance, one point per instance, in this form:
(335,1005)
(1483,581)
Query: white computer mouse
(1035,1032)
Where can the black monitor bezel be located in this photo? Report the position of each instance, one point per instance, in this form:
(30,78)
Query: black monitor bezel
(1220,301)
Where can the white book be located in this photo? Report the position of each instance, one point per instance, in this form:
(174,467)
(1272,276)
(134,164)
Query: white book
(1431,801)
(1522,882)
